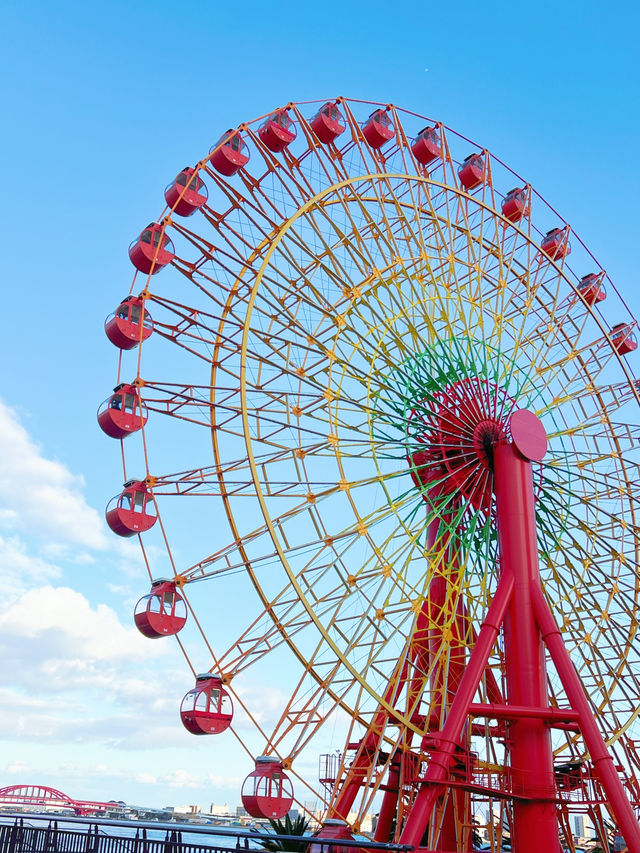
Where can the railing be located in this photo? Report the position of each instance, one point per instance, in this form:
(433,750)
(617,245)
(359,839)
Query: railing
(18,834)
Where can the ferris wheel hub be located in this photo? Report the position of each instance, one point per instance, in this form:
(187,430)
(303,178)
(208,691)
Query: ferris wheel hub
(486,435)
(460,426)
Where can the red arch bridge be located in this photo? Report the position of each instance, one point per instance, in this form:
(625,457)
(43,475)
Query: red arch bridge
(49,798)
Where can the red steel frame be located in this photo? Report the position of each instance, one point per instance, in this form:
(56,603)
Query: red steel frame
(520,609)
(457,808)
(424,651)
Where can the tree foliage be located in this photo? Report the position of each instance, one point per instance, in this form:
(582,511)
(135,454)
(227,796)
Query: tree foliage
(297,826)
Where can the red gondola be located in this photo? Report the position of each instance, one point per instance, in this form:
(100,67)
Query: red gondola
(186,193)
(336,829)
(267,792)
(207,709)
(378,128)
(555,243)
(230,153)
(132,511)
(328,123)
(591,288)
(123,412)
(623,338)
(427,146)
(129,324)
(514,204)
(278,131)
(471,171)
(162,612)
(153,249)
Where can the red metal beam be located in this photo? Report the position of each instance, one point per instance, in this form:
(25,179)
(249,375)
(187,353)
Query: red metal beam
(521,712)
(603,765)
(437,773)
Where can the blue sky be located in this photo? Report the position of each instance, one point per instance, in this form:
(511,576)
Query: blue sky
(103,104)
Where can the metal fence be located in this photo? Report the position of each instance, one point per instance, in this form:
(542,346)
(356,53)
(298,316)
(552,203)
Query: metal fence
(18,834)
(20,837)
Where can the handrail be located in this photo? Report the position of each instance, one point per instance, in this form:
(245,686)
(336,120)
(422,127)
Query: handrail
(204,829)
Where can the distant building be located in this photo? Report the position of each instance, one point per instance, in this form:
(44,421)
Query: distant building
(219,810)
(186,810)
(144,813)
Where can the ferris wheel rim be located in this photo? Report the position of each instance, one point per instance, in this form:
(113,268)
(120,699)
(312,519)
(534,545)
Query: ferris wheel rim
(373,176)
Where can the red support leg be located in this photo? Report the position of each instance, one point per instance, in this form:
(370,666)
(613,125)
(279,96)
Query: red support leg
(439,766)
(602,760)
(389,807)
(426,655)
(535,823)
(447,664)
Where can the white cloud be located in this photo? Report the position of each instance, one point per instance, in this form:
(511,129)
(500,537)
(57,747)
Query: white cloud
(187,779)
(73,629)
(18,767)
(20,570)
(263,702)
(56,725)
(8,517)
(66,552)
(79,684)
(129,557)
(182,779)
(42,496)
(178,778)
(74,674)
(146,779)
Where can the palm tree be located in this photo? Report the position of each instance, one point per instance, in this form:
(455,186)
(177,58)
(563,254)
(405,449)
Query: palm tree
(298,826)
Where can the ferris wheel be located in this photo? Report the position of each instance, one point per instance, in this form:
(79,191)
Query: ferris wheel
(388,448)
